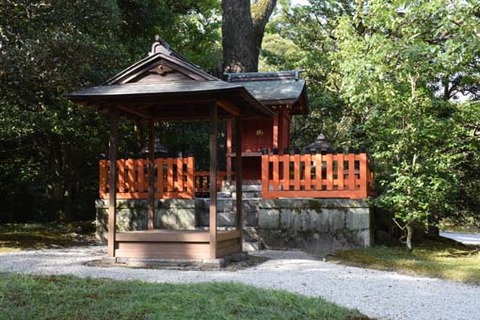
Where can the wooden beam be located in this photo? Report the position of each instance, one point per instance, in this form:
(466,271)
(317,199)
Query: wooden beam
(229,107)
(213,180)
(151,174)
(134,111)
(112,194)
(238,175)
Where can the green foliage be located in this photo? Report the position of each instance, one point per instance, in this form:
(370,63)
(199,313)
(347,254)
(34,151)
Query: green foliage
(49,147)
(48,49)
(191,27)
(390,67)
(391,76)
(53,297)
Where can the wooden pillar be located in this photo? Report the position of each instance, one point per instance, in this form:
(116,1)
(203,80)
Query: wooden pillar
(213,181)
(151,174)
(112,194)
(229,150)
(238,175)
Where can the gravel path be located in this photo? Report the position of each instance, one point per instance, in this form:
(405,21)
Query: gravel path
(382,295)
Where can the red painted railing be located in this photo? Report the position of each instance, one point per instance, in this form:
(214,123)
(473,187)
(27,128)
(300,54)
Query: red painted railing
(174,178)
(316,176)
(202,181)
(283,176)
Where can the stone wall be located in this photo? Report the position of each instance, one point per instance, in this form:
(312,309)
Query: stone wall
(276,224)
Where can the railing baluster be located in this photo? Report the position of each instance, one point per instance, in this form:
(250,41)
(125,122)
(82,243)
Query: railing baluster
(308,172)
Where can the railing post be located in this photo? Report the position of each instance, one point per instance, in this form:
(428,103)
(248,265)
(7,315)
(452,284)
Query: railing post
(191,177)
(265,175)
(340,174)
(363,171)
(112,194)
(130,176)
(286,171)
(160,183)
(103,166)
(151,174)
(213,179)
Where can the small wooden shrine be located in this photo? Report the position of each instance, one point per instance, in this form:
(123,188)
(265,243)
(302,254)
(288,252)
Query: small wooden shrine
(165,86)
(285,93)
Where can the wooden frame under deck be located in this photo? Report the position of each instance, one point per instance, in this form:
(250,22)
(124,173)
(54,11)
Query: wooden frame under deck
(175,244)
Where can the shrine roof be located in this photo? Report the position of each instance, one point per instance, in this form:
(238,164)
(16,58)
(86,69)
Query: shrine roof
(275,88)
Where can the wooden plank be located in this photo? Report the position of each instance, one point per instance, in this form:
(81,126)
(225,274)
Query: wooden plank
(160,183)
(112,194)
(191,177)
(121,175)
(227,243)
(133,195)
(308,171)
(275,174)
(229,107)
(325,194)
(222,252)
(179,181)
(141,177)
(340,177)
(130,175)
(286,171)
(159,250)
(165,236)
(351,172)
(103,174)
(296,170)
(329,162)
(265,173)
(363,171)
(318,171)
(227,235)
(170,183)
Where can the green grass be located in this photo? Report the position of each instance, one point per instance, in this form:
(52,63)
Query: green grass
(16,237)
(62,297)
(452,262)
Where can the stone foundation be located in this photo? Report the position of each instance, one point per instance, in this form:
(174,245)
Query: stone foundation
(268,224)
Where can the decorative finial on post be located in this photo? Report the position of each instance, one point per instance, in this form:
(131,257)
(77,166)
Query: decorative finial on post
(159,46)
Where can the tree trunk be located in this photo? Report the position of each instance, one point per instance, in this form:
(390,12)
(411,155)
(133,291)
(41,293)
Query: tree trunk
(409,237)
(243,27)
(261,11)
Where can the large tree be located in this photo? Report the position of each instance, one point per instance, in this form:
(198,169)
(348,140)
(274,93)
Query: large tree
(243,26)
(392,75)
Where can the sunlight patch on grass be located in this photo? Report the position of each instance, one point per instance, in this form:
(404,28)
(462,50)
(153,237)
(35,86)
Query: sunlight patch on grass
(445,262)
(16,237)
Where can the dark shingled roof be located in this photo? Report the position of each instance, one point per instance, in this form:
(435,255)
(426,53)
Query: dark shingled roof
(143,89)
(166,85)
(275,92)
(275,88)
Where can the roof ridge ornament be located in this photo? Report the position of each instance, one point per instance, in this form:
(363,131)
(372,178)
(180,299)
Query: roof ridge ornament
(160,46)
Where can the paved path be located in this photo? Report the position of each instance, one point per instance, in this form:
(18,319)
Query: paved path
(383,295)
